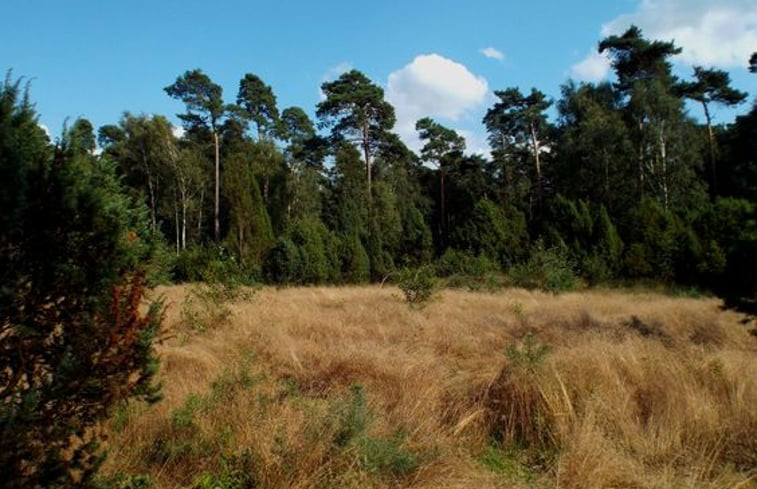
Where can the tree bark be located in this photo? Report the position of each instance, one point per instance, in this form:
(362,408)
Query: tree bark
(641,160)
(711,147)
(664,163)
(176,222)
(443,216)
(367,153)
(537,160)
(216,218)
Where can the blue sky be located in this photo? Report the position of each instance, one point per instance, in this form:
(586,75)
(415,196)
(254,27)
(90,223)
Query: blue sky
(439,58)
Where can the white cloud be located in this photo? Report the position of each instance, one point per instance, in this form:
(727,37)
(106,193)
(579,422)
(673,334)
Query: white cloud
(493,53)
(432,86)
(337,70)
(720,33)
(178,131)
(475,143)
(593,68)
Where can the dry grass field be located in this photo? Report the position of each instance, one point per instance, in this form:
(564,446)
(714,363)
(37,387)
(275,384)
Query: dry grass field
(349,387)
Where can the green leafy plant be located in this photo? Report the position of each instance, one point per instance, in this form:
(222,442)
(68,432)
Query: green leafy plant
(547,268)
(418,285)
(530,353)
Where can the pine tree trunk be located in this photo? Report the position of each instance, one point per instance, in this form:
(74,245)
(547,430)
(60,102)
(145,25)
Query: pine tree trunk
(641,160)
(443,216)
(664,164)
(216,218)
(176,224)
(367,153)
(184,219)
(711,147)
(537,160)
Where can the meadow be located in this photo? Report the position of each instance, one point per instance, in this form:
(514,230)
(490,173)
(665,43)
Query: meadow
(350,387)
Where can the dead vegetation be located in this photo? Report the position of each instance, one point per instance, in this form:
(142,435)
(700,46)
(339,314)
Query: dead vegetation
(349,387)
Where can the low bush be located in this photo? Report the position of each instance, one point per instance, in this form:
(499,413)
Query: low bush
(463,263)
(418,285)
(547,268)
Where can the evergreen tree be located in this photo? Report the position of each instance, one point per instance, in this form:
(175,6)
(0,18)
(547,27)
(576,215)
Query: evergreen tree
(355,110)
(594,152)
(205,111)
(74,338)
(250,235)
(443,148)
(146,150)
(712,86)
(518,121)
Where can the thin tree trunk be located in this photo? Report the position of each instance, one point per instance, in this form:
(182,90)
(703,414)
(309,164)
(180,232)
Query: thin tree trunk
(216,218)
(443,216)
(290,193)
(151,189)
(537,159)
(664,164)
(641,159)
(711,147)
(153,203)
(367,153)
(176,221)
(184,219)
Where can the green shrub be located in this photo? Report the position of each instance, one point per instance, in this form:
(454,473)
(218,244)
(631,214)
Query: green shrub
(356,266)
(417,284)
(75,337)
(528,354)
(310,235)
(283,264)
(488,231)
(456,262)
(211,264)
(388,457)
(547,268)
(350,417)
(235,472)
(206,304)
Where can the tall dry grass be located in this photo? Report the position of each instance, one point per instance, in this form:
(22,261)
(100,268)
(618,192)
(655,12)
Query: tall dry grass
(349,387)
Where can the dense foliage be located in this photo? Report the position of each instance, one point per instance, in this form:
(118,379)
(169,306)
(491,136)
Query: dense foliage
(74,336)
(623,185)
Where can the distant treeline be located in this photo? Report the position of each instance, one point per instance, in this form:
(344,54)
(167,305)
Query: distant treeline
(624,185)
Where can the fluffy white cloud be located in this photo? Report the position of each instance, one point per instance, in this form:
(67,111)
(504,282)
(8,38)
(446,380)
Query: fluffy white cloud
(337,70)
(493,53)
(178,131)
(475,142)
(432,86)
(719,33)
(593,68)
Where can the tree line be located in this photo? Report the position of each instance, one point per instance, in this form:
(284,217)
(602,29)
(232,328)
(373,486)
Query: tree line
(624,185)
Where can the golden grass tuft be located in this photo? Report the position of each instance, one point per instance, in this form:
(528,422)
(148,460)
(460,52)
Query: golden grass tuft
(596,389)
